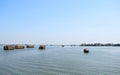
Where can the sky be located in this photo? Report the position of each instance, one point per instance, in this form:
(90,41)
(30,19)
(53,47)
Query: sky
(59,21)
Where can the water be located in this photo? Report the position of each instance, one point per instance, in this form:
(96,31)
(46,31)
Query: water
(57,60)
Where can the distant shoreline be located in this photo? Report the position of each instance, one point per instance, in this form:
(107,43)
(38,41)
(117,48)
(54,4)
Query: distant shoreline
(100,44)
(83,44)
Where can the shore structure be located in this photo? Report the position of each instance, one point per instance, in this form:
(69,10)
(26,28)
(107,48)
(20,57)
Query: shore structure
(42,47)
(19,46)
(29,46)
(8,47)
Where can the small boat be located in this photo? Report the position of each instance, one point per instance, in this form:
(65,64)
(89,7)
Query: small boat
(86,50)
(62,45)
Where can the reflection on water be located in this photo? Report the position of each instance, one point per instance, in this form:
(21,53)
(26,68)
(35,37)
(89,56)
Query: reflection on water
(57,60)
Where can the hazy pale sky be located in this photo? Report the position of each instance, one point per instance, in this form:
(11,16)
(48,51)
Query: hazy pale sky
(59,21)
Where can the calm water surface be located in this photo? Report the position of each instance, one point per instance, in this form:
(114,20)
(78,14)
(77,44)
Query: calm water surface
(57,60)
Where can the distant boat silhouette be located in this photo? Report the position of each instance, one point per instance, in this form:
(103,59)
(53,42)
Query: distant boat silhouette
(86,50)
(62,45)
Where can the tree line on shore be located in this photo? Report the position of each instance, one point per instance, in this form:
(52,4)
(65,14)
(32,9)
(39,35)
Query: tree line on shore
(100,44)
